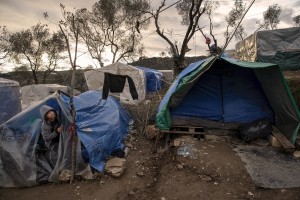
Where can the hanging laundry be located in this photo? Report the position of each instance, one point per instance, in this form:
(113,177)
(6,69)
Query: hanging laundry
(116,83)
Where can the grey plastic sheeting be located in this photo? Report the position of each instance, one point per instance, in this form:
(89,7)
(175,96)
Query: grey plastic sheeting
(20,164)
(287,118)
(270,168)
(280,46)
(101,126)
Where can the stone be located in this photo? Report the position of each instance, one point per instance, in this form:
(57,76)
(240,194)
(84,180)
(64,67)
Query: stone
(152,132)
(183,140)
(296,154)
(126,151)
(140,174)
(131,193)
(179,166)
(274,142)
(129,145)
(115,166)
(64,175)
(86,173)
(206,178)
(132,139)
(250,194)
(212,138)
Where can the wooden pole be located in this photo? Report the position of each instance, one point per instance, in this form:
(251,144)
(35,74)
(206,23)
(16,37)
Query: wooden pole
(73,128)
(75,33)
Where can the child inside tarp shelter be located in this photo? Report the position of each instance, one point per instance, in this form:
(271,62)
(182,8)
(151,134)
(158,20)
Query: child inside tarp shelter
(51,128)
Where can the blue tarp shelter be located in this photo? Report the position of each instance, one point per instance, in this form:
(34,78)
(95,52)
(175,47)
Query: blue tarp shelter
(153,79)
(10,98)
(101,127)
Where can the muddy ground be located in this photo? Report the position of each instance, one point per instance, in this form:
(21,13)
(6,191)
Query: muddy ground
(216,173)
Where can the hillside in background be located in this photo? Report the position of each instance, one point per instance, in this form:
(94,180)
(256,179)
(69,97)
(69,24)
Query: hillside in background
(163,63)
(64,77)
(58,77)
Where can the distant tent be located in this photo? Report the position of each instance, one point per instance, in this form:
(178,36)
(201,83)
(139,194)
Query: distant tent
(229,91)
(101,126)
(10,99)
(279,46)
(153,79)
(34,93)
(96,78)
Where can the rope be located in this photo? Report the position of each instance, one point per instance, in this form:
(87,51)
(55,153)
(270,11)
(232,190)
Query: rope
(225,46)
(72,129)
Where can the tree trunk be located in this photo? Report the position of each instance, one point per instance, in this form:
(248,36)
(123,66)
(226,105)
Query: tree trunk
(35,78)
(44,79)
(179,64)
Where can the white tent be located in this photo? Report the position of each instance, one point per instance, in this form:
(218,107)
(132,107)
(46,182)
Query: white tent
(95,80)
(10,99)
(35,93)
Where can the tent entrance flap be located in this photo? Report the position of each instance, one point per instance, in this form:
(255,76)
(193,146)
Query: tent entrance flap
(277,91)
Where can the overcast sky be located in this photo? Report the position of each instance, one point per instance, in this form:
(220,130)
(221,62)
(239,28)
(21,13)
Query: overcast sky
(22,14)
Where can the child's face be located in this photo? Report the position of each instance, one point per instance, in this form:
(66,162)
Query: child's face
(50,116)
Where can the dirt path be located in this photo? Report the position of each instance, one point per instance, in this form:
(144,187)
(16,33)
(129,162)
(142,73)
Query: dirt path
(216,173)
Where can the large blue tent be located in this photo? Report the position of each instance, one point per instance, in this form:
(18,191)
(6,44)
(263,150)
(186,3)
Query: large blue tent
(220,90)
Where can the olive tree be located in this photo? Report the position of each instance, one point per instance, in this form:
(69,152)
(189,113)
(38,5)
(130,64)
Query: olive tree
(29,48)
(113,26)
(271,18)
(190,11)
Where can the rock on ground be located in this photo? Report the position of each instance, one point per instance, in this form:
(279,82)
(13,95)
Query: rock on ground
(152,132)
(115,166)
(186,139)
(64,175)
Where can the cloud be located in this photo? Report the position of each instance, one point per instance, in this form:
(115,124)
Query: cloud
(286,15)
(17,15)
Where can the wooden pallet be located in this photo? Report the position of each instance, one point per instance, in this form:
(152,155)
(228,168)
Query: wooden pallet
(184,130)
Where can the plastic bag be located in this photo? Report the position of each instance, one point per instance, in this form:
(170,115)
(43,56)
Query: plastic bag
(187,150)
(256,130)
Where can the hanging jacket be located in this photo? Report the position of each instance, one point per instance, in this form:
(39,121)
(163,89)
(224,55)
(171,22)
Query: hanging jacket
(115,83)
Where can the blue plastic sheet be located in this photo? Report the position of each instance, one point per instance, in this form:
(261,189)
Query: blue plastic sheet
(243,98)
(153,79)
(204,100)
(10,102)
(101,125)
